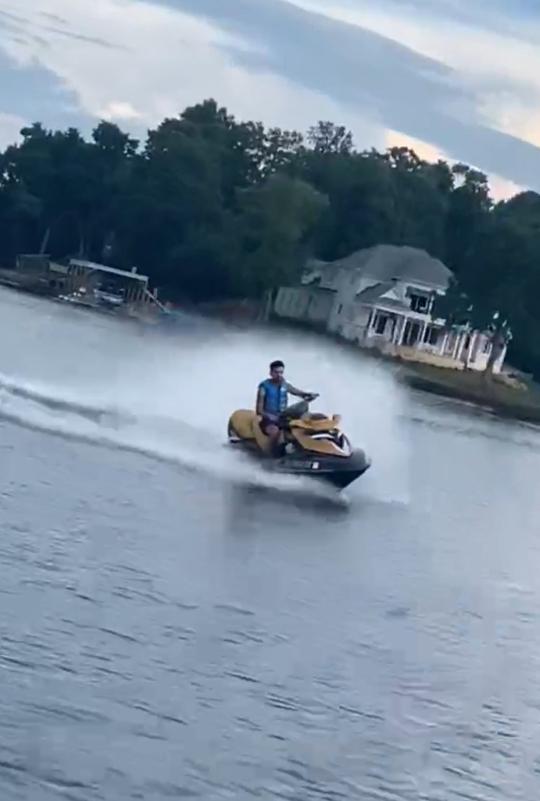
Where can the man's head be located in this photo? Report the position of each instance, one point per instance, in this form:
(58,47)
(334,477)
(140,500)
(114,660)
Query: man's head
(277,371)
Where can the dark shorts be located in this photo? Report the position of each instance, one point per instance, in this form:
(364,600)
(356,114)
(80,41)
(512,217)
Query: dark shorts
(269,421)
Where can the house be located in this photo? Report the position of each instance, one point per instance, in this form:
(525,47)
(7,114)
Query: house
(383,297)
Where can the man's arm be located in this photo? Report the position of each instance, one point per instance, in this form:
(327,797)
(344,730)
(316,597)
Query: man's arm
(298,393)
(259,404)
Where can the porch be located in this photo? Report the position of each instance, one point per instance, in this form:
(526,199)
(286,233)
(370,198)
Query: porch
(408,329)
(416,337)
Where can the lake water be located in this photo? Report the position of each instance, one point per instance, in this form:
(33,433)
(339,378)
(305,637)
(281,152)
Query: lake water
(175,623)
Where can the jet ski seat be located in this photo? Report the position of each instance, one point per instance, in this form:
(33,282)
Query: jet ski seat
(319,424)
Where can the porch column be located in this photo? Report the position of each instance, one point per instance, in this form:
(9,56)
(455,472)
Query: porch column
(395,322)
(459,346)
(471,355)
(420,342)
(400,331)
(369,322)
(370,327)
(442,346)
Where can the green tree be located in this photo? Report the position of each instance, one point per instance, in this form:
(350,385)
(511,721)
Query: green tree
(469,207)
(496,275)
(210,207)
(326,137)
(277,219)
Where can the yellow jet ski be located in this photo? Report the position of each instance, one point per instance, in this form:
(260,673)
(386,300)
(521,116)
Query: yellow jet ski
(312,445)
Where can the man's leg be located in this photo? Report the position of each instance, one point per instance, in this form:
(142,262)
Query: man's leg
(271,429)
(296,411)
(274,435)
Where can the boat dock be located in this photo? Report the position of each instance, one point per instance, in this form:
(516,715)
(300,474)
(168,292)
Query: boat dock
(85,283)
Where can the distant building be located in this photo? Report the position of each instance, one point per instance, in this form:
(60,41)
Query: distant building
(109,285)
(383,297)
(84,282)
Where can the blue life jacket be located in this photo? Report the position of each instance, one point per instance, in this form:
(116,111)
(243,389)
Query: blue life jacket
(275,396)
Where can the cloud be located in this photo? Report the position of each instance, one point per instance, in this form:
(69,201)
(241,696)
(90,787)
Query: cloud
(31,92)
(469,39)
(393,66)
(10,127)
(414,92)
(501,188)
(119,110)
(160,60)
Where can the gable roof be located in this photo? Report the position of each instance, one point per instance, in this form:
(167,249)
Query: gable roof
(386,262)
(381,294)
(375,292)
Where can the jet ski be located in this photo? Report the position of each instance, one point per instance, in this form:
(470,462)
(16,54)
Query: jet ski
(312,445)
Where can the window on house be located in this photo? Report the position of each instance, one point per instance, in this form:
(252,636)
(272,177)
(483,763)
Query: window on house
(487,346)
(419,303)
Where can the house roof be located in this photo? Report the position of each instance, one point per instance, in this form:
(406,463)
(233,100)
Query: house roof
(103,268)
(376,296)
(375,292)
(386,262)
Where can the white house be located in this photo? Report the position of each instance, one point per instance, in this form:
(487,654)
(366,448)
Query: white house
(383,297)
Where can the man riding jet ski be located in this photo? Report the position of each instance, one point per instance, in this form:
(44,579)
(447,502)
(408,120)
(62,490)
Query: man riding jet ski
(272,404)
(292,440)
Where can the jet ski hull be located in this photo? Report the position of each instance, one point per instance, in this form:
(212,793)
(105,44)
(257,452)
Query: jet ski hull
(339,472)
(314,447)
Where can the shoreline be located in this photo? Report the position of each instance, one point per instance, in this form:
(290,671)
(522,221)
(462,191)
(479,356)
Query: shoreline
(493,395)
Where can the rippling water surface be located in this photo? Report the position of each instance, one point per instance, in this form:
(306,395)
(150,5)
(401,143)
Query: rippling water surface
(176,624)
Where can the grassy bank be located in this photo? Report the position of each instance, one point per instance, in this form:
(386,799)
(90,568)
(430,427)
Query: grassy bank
(473,387)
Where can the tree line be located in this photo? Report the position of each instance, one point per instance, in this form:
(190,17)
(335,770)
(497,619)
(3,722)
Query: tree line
(211,207)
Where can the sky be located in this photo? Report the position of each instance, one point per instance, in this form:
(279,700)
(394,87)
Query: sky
(458,79)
